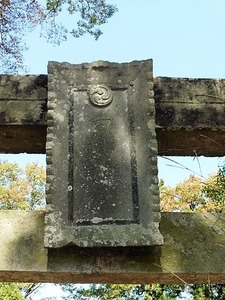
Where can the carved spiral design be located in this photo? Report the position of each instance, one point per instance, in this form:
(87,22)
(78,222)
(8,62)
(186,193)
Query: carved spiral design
(100,95)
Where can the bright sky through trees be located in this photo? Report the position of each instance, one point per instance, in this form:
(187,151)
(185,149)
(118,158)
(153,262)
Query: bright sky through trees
(185,39)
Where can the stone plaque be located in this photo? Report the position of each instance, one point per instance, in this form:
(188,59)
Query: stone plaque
(102,186)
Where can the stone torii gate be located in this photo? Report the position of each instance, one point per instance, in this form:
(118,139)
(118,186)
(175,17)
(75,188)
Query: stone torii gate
(190,120)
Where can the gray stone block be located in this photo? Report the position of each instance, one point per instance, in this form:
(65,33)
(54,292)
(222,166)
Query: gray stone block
(102,185)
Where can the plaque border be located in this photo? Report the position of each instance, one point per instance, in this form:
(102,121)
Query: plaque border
(60,232)
(133,166)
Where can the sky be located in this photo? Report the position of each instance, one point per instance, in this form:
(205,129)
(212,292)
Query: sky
(184,38)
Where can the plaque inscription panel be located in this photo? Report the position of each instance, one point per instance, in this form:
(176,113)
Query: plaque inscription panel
(102,162)
(101,156)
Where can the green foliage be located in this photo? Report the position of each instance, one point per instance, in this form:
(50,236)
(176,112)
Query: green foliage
(207,291)
(21,189)
(93,13)
(24,189)
(17,18)
(10,291)
(123,291)
(35,181)
(195,194)
(185,196)
(215,189)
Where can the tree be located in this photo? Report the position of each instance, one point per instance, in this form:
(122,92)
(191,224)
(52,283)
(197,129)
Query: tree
(10,291)
(207,291)
(123,291)
(23,190)
(195,194)
(17,18)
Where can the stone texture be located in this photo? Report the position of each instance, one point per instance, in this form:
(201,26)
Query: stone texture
(101,155)
(189,103)
(181,113)
(194,243)
(190,116)
(22,99)
(23,105)
(193,252)
(21,244)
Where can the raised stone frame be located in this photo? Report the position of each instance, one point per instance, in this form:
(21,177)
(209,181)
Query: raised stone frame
(102,185)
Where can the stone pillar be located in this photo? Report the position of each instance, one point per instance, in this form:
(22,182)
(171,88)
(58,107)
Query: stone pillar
(102,185)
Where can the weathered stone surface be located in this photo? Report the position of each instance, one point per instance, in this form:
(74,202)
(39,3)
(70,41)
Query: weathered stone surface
(22,138)
(190,116)
(23,105)
(181,113)
(22,99)
(193,252)
(194,243)
(189,103)
(101,155)
(21,244)
(18,87)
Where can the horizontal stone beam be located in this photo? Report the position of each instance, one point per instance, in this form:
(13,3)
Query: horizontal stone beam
(193,253)
(189,115)
(23,106)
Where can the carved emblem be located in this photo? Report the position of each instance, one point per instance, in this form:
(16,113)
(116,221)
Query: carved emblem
(100,95)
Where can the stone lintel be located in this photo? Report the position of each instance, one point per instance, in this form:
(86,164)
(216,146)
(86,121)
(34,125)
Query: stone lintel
(190,116)
(193,252)
(191,109)
(23,106)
